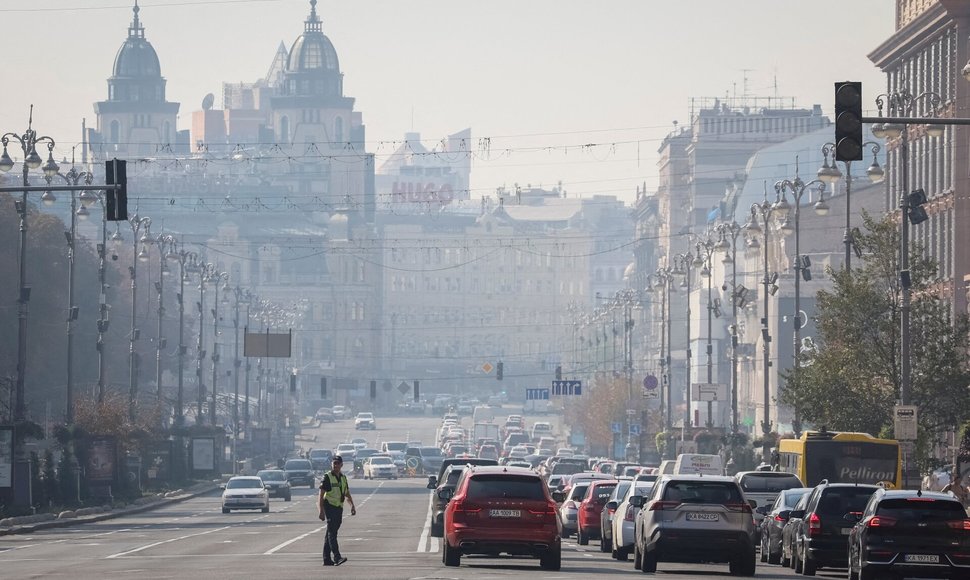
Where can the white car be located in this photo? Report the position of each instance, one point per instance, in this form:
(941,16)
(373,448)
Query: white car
(340,412)
(380,467)
(245,493)
(624,519)
(365,421)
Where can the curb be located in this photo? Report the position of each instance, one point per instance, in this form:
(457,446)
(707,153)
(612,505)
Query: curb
(199,489)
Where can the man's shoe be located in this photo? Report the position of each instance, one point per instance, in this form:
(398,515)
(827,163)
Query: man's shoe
(328,563)
(339,561)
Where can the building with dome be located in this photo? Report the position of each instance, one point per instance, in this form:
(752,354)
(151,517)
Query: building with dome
(136,119)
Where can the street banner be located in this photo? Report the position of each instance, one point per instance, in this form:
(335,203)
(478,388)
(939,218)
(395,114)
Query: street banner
(102,458)
(6,456)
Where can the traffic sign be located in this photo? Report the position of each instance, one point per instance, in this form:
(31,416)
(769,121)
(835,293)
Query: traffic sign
(650,382)
(404,388)
(539,394)
(708,392)
(634,429)
(487,368)
(567,387)
(904,424)
(617,428)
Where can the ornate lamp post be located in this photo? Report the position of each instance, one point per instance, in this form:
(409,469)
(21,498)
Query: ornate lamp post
(760,223)
(88,199)
(28,142)
(217,279)
(705,253)
(731,230)
(205,271)
(187,265)
(665,285)
(831,174)
(72,177)
(140,232)
(683,265)
(166,251)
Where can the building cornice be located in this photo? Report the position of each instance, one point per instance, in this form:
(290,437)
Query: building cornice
(912,37)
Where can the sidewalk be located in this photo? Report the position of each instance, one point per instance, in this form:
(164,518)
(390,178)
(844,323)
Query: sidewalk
(29,524)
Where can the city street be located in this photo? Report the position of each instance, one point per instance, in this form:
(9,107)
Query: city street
(387,539)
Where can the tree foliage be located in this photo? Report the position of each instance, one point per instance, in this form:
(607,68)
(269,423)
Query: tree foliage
(853,380)
(598,408)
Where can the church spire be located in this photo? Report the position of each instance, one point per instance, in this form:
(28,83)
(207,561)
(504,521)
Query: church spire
(136,30)
(313,23)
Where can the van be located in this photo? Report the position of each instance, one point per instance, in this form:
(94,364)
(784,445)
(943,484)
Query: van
(667,466)
(540,429)
(698,464)
(483,414)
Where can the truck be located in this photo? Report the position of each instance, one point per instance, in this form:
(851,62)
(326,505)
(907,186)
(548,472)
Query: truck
(485,431)
(536,407)
(483,413)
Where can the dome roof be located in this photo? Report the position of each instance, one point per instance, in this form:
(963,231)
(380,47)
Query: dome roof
(312,50)
(137,58)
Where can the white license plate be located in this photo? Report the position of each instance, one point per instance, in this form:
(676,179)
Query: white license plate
(922,558)
(505,513)
(702,517)
(846,531)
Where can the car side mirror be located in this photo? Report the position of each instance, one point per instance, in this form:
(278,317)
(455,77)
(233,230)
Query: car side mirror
(432,482)
(637,501)
(611,505)
(852,517)
(446,494)
(558,496)
(785,514)
(753,504)
(763,510)
(222,486)
(796,514)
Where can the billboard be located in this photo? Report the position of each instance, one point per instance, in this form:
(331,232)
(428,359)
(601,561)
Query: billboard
(203,453)
(6,456)
(102,459)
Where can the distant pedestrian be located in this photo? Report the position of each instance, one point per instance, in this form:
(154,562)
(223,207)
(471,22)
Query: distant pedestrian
(958,489)
(334,490)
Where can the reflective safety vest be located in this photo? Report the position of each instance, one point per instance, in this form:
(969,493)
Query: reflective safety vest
(337,491)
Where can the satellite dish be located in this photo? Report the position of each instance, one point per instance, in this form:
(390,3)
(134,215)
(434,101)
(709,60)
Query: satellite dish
(208,101)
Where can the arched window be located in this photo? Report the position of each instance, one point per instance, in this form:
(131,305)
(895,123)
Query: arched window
(115,134)
(285,129)
(338,129)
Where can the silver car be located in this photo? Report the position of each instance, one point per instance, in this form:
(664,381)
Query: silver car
(695,518)
(624,518)
(569,510)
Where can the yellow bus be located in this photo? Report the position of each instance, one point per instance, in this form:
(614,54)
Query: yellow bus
(841,458)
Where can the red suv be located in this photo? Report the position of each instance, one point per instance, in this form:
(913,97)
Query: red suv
(588,518)
(496,509)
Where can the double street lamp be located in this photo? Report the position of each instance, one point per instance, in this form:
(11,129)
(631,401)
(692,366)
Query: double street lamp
(166,252)
(703,261)
(187,265)
(665,285)
(732,231)
(683,265)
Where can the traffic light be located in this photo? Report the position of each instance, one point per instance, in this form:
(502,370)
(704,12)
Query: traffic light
(116,200)
(848,121)
(914,203)
(323,387)
(499,370)
(373,389)
(293,383)
(558,372)
(417,391)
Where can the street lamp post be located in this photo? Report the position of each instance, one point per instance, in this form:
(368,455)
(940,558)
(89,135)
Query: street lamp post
(72,177)
(238,295)
(137,225)
(187,264)
(28,144)
(831,174)
(665,284)
(732,230)
(87,199)
(705,251)
(218,278)
(797,187)
(764,211)
(683,264)
(205,270)
(166,251)
(902,103)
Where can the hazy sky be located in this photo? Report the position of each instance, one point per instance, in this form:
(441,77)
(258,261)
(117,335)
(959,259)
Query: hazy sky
(528,74)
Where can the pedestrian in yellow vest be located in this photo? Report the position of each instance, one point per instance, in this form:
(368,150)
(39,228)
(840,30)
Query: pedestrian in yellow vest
(333,492)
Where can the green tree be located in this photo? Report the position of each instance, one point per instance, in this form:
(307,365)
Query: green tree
(852,381)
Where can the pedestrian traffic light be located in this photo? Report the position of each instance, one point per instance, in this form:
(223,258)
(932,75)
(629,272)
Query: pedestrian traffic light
(116,200)
(848,121)
(373,389)
(558,372)
(417,391)
(499,370)
(323,387)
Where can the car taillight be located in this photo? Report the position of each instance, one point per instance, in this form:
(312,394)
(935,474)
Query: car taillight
(549,513)
(611,511)
(814,525)
(959,525)
(778,518)
(571,505)
(880,522)
(739,507)
(630,513)
(663,505)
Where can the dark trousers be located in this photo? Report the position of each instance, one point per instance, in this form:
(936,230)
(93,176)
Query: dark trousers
(335,515)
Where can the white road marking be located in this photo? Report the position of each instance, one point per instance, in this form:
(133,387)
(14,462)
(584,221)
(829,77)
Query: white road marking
(423,540)
(170,540)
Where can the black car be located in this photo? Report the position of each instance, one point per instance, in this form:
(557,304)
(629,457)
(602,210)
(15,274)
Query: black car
(320,459)
(819,539)
(773,524)
(910,533)
(432,480)
(299,472)
(448,481)
(274,480)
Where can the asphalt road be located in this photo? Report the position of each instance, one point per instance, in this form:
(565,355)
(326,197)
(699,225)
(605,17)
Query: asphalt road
(387,539)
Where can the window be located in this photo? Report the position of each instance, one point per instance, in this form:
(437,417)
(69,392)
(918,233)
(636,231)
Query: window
(115,133)
(505,486)
(338,129)
(284,128)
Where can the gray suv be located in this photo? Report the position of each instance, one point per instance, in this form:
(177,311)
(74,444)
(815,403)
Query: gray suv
(694,518)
